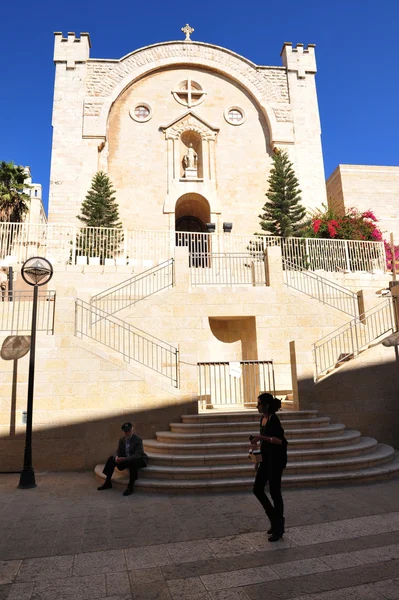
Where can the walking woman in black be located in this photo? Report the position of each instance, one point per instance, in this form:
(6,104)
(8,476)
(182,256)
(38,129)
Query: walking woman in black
(273,447)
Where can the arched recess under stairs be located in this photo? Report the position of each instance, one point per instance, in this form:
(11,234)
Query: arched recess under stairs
(192,212)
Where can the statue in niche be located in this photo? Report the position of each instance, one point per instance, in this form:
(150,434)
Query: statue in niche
(190,162)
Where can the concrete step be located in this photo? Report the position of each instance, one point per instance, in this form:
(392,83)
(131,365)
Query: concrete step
(214,416)
(340,438)
(352,475)
(192,438)
(361,447)
(238,426)
(380,454)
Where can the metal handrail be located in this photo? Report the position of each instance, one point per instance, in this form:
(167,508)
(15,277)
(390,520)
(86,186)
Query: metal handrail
(131,342)
(320,288)
(350,339)
(16,312)
(136,288)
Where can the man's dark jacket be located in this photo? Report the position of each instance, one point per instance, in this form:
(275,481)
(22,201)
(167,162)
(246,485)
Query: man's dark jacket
(136,448)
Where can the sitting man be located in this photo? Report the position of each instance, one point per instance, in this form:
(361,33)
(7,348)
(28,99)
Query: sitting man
(129,455)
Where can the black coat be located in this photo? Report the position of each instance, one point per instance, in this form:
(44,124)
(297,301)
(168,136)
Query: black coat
(274,455)
(136,448)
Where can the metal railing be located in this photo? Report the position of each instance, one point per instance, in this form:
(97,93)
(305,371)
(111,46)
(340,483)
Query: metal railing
(226,269)
(320,288)
(16,312)
(129,341)
(348,340)
(240,382)
(62,244)
(130,291)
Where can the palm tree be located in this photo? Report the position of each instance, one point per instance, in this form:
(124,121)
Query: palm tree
(13,200)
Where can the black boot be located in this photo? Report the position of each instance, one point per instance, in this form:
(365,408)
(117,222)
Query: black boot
(129,490)
(106,485)
(277,530)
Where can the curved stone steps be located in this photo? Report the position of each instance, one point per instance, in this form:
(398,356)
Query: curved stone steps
(362,446)
(249,415)
(382,453)
(356,475)
(192,438)
(239,426)
(347,436)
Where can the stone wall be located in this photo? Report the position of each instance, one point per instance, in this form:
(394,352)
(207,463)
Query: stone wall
(367,187)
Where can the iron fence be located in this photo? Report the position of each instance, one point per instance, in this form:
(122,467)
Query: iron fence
(16,312)
(239,382)
(226,269)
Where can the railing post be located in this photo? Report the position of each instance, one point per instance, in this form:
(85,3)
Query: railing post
(348,264)
(360,306)
(73,257)
(307,253)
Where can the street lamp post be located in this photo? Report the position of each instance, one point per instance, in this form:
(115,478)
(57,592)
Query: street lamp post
(35,271)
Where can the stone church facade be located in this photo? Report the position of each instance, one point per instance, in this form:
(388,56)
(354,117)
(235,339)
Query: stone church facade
(185,130)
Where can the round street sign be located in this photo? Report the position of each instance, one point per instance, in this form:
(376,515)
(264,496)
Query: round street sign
(15,346)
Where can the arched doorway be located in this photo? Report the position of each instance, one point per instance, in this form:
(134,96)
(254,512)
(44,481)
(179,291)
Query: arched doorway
(192,212)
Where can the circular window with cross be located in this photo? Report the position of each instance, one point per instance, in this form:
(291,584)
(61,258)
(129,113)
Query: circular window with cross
(189,93)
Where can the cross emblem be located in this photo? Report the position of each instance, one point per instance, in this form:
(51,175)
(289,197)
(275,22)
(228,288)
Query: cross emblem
(188,31)
(189,94)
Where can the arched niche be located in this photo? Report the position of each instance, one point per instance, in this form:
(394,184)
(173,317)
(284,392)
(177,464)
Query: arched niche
(192,205)
(191,138)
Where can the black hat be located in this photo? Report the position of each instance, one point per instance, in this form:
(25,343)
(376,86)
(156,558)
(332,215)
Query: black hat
(126,426)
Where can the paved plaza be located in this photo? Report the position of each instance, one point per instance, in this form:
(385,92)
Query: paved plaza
(65,540)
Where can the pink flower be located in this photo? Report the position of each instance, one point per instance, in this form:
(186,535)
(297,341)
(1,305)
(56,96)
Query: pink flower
(368,214)
(316,225)
(332,228)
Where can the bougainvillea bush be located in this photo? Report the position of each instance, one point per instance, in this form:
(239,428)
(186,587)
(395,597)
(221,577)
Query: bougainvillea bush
(352,225)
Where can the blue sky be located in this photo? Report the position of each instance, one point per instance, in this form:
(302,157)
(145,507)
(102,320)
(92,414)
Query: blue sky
(356,51)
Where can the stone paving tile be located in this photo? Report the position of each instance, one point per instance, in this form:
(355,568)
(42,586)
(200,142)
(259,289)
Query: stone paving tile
(4,590)
(8,570)
(35,569)
(117,583)
(108,561)
(389,588)
(200,567)
(140,577)
(231,594)
(259,540)
(360,575)
(186,588)
(358,543)
(372,555)
(151,591)
(21,591)
(362,592)
(189,551)
(70,588)
(344,560)
(286,588)
(240,578)
(230,546)
(296,568)
(149,556)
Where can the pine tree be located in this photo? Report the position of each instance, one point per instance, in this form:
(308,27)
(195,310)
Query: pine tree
(283,212)
(99,209)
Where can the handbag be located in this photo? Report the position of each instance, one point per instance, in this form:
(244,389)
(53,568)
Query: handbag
(255,456)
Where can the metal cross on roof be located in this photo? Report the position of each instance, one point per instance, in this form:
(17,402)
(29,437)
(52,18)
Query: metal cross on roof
(188,31)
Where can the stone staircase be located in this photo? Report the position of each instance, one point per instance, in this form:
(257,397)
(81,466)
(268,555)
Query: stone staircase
(208,452)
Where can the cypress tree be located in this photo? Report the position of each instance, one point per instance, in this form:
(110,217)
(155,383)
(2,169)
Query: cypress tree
(283,212)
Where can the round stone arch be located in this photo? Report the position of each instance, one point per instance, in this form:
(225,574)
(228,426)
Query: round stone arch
(233,66)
